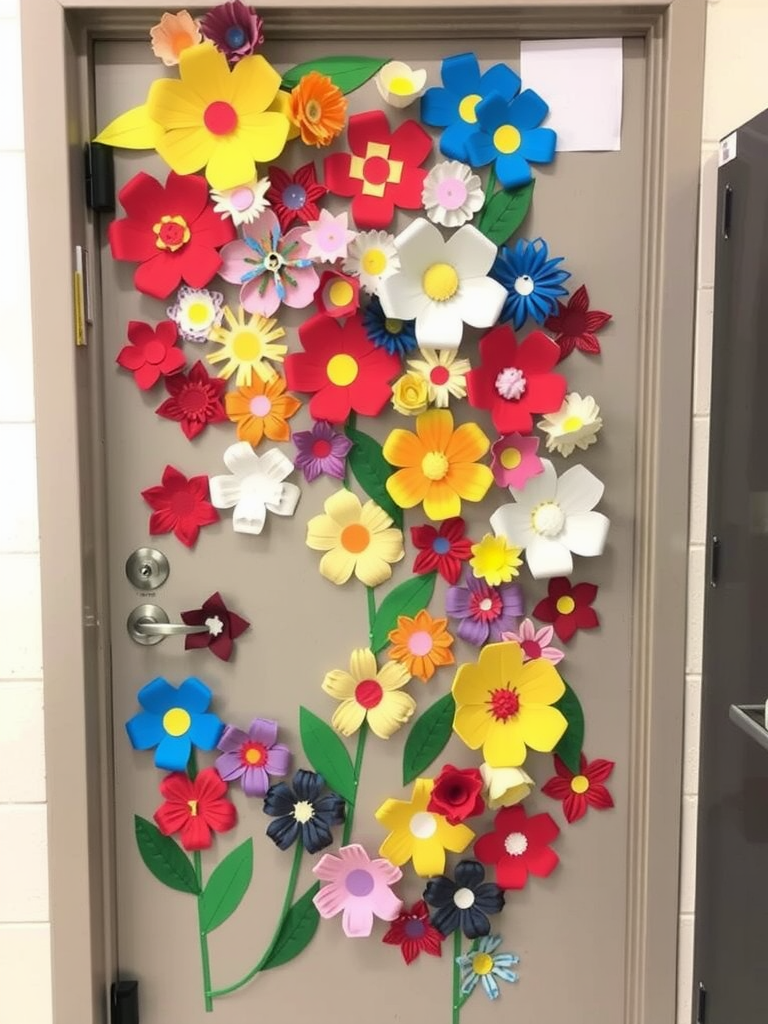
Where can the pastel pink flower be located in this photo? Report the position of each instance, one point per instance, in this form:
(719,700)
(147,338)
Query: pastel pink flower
(359,888)
(513,459)
(535,642)
(329,236)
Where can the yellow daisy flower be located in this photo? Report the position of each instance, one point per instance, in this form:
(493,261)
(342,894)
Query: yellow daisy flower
(356,538)
(368,693)
(444,374)
(495,561)
(245,346)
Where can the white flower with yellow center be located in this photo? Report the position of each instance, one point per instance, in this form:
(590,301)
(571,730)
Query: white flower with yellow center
(399,84)
(575,425)
(372,256)
(452,194)
(196,312)
(443,285)
(244,203)
(445,374)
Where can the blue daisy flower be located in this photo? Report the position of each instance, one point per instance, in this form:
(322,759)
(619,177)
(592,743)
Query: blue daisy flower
(398,337)
(533,281)
(172,720)
(482,963)
(303,813)
(507,135)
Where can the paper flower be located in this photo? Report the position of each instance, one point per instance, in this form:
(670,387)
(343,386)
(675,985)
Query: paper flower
(272,267)
(452,194)
(368,693)
(568,608)
(519,846)
(180,506)
(575,324)
(341,369)
(303,813)
(482,963)
(506,135)
(256,486)
(421,643)
(418,834)
(495,561)
(412,931)
(505,706)
(245,345)
(357,539)
(321,450)
(328,237)
(196,312)
(581,791)
(441,549)
(262,409)
(576,425)
(234,29)
(151,353)
(533,281)
(195,808)
(373,257)
(515,380)
(172,719)
(443,285)
(224,627)
(484,612)
(194,402)
(243,203)
(294,196)
(505,786)
(514,460)
(464,901)
(535,643)
(382,172)
(457,794)
(400,85)
(359,888)
(553,517)
(318,108)
(171,231)
(254,757)
(337,295)
(453,106)
(437,465)
(172,35)
(445,375)
(396,336)
(410,395)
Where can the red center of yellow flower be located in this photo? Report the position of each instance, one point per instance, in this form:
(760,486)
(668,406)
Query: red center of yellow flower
(439,375)
(376,170)
(504,704)
(253,754)
(220,118)
(368,693)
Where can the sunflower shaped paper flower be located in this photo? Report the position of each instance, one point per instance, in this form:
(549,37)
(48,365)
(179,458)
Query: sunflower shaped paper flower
(505,706)
(356,538)
(173,719)
(357,887)
(508,136)
(256,486)
(368,693)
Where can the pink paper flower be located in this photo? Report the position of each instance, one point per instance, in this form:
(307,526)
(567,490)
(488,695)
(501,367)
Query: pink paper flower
(535,642)
(329,236)
(514,460)
(358,886)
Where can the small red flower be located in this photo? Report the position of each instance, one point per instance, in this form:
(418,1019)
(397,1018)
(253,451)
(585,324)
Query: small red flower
(568,608)
(195,400)
(224,627)
(578,792)
(337,294)
(441,549)
(294,196)
(413,932)
(180,506)
(195,808)
(172,231)
(519,846)
(576,323)
(151,353)
(457,794)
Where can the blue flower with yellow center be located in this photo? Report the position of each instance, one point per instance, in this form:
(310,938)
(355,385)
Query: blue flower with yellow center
(172,719)
(507,135)
(483,964)
(398,337)
(533,280)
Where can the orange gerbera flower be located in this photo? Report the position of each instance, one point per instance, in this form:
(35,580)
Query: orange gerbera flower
(421,644)
(262,408)
(318,109)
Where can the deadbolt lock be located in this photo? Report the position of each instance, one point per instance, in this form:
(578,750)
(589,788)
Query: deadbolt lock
(147,569)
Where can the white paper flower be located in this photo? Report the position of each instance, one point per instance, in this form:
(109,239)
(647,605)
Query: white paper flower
(505,787)
(373,257)
(452,194)
(443,285)
(445,374)
(576,425)
(243,203)
(553,517)
(328,237)
(255,487)
(196,312)
(399,85)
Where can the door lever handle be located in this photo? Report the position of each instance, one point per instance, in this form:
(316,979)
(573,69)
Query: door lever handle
(166,628)
(148,624)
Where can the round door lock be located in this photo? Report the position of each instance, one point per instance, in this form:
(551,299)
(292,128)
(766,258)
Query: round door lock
(147,569)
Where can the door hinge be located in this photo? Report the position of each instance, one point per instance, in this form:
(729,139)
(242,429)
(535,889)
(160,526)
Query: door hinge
(727,211)
(99,177)
(701,1011)
(124,997)
(714,560)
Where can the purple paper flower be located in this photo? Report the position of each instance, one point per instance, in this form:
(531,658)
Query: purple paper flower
(233,28)
(252,756)
(321,450)
(484,612)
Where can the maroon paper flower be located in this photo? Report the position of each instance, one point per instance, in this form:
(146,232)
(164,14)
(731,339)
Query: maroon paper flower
(414,933)
(294,196)
(195,400)
(152,353)
(575,324)
(457,794)
(224,627)
(568,608)
(233,28)
(180,506)
(519,846)
(579,792)
(441,549)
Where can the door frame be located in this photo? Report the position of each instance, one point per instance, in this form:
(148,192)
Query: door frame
(56,40)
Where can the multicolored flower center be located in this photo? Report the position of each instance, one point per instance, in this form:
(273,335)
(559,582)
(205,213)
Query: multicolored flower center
(294,196)
(524,284)
(511,383)
(171,233)
(355,538)
(303,811)
(253,754)
(548,519)
(531,649)
(441,545)
(260,405)
(342,370)
(511,458)
(420,643)
(516,844)
(422,825)
(313,111)
(439,375)
(374,262)
(482,963)
(464,898)
(220,118)
(176,721)
(359,882)
(451,193)
(440,282)
(505,704)
(467,108)
(565,604)
(234,36)
(580,784)
(485,606)
(321,449)
(368,693)
(435,466)
(415,928)
(507,138)
(376,170)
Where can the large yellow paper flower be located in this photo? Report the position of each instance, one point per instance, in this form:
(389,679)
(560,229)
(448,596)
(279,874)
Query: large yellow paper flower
(504,706)
(245,345)
(418,834)
(438,464)
(369,692)
(357,539)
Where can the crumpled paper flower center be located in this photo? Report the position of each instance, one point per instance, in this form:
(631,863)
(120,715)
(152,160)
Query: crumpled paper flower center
(440,282)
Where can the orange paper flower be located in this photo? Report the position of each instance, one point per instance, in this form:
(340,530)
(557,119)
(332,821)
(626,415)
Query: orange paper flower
(176,32)
(421,644)
(261,409)
(318,109)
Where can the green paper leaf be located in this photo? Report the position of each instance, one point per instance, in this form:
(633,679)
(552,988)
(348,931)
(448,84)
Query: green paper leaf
(296,932)
(428,737)
(406,599)
(372,471)
(348,73)
(226,887)
(504,213)
(327,754)
(164,857)
(569,747)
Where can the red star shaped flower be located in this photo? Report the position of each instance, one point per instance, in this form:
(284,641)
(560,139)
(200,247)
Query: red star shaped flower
(294,196)
(568,608)
(382,171)
(516,380)
(575,324)
(195,400)
(152,353)
(172,231)
(582,790)
(195,808)
(180,506)
(519,846)
(413,932)
(441,549)
(224,627)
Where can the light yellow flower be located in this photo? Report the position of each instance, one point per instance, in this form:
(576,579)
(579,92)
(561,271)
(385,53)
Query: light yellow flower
(369,693)
(410,394)
(356,538)
(505,786)
(444,373)
(495,561)
(245,346)
(575,425)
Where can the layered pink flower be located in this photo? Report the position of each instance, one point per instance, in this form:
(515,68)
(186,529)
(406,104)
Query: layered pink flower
(358,888)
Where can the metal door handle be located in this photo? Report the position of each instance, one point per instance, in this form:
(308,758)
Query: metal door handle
(147,628)
(148,624)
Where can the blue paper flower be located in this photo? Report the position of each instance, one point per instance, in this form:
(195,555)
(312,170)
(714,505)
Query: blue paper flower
(507,135)
(453,106)
(302,812)
(398,337)
(482,963)
(533,281)
(173,719)
(464,901)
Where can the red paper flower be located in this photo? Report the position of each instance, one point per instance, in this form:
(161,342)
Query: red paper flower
(195,400)
(224,627)
(515,380)
(180,506)
(578,792)
(382,171)
(151,353)
(457,794)
(172,231)
(441,549)
(568,608)
(413,932)
(337,294)
(343,369)
(293,196)
(195,808)
(519,846)
(576,323)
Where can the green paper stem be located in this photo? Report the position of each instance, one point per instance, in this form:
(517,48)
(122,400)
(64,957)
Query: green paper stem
(457,1000)
(362,735)
(371,613)
(204,957)
(351,421)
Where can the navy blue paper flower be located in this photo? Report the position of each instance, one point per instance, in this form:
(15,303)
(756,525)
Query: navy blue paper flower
(533,281)
(507,135)
(398,337)
(173,719)
(464,901)
(303,812)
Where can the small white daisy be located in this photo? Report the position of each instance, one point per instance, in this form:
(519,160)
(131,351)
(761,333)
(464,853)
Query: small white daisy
(575,425)
(399,85)
(373,257)
(196,312)
(243,203)
(452,194)
(444,373)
